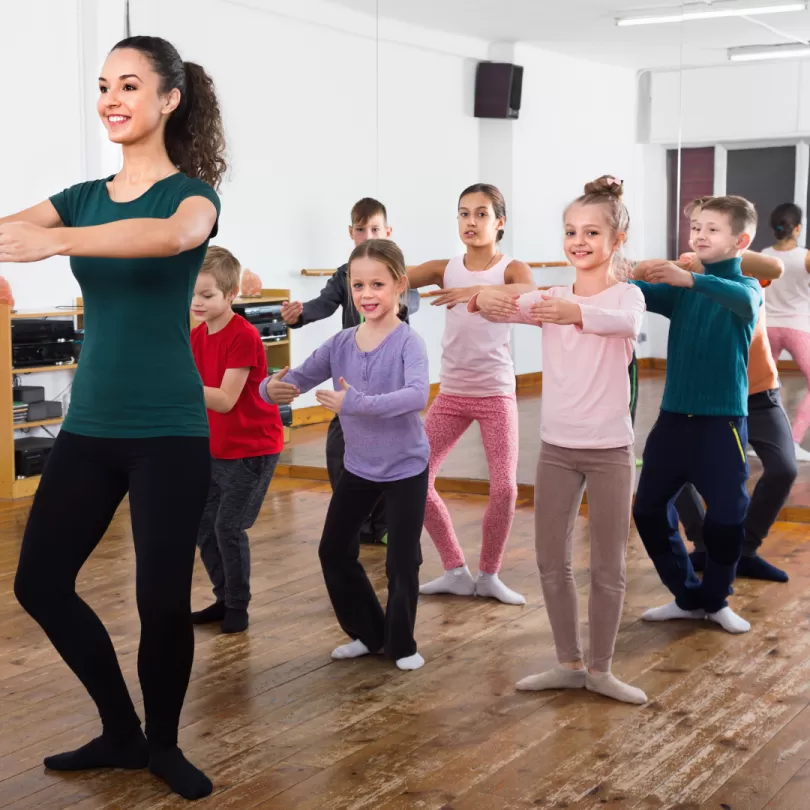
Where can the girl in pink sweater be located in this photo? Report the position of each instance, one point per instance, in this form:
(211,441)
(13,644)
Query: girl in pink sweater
(589,334)
(477,381)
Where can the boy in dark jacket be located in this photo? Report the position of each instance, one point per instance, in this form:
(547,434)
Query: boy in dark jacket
(369,221)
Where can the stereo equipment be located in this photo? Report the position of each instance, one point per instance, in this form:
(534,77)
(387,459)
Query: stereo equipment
(41,330)
(28,393)
(30,455)
(498,88)
(270,331)
(266,318)
(286,415)
(44,410)
(25,355)
(263,312)
(42,342)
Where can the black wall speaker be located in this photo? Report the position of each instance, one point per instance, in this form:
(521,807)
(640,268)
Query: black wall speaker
(498,87)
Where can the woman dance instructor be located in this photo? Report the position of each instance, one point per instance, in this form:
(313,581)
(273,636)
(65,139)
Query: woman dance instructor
(137,422)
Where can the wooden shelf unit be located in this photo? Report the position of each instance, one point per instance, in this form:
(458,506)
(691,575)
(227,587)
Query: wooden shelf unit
(10,486)
(277,352)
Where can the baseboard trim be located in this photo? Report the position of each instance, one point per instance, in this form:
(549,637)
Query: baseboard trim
(525,497)
(660,364)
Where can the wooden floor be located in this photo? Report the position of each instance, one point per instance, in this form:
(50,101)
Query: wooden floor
(467,462)
(277,724)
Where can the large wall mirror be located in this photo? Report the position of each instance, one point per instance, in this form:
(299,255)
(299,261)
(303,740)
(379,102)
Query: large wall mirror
(335,100)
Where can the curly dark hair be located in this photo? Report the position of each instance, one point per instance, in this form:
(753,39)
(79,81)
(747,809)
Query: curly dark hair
(195,139)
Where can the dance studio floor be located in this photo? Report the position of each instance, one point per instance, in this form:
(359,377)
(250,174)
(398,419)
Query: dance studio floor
(278,725)
(468,462)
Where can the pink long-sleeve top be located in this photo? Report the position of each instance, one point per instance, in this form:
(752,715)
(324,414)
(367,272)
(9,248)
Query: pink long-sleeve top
(586,387)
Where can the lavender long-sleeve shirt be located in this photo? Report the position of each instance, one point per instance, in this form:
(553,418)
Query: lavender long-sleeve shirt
(384,433)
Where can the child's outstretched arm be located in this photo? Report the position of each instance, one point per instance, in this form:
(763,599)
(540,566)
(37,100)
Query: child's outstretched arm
(411,398)
(741,298)
(427,274)
(756,265)
(624,322)
(659,296)
(296,314)
(518,279)
(283,387)
(223,399)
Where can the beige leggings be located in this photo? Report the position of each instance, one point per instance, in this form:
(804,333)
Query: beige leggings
(562,475)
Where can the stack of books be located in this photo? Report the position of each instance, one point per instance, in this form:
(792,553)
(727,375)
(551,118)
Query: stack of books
(20,412)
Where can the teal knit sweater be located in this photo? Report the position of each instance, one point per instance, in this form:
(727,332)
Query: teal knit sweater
(711,325)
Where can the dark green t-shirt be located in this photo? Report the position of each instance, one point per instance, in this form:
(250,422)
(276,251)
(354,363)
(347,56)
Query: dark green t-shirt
(136,376)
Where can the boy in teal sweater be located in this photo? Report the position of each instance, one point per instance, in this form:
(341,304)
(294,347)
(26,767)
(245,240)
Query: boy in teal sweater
(701,432)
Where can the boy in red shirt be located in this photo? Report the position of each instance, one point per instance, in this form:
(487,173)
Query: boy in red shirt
(246,437)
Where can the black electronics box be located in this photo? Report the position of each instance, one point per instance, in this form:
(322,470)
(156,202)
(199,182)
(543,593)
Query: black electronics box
(286,415)
(44,410)
(42,342)
(266,318)
(41,330)
(28,393)
(30,455)
(27,355)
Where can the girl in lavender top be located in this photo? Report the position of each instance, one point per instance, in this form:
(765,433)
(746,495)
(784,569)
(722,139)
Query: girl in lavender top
(380,375)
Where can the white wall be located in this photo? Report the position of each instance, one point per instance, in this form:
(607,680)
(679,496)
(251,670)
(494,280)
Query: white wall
(300,109)
(577,122)
(41,138)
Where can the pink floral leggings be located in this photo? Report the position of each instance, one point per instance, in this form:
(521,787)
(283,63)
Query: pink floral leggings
(798,344)
(448,418)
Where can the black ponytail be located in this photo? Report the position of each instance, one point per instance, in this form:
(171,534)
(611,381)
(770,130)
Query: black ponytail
(195,140)
(785,218)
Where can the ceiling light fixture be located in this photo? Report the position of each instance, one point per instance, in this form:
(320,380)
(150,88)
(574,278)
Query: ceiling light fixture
(699,11)
(756,53)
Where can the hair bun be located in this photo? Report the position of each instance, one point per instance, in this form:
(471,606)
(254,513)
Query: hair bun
(606,184)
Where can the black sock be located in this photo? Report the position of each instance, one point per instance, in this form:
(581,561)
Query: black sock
(698,559)
(754,567)
(235,621)
(170,765)
(213,613)
(105,751)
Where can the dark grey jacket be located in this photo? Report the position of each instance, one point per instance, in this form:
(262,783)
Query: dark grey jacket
(336,294)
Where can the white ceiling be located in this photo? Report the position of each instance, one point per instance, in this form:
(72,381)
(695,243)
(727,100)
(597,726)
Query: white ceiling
(586,28)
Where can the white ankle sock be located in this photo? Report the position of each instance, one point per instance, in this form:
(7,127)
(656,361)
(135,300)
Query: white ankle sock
(557,678)
(671,611)
(607,684)
(491,585)
(458,581)
(801,453)
(729,620)
(354,649)
(414,661)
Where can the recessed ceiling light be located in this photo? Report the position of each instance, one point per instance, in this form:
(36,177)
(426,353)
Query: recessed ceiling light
(758,53)
(701,11)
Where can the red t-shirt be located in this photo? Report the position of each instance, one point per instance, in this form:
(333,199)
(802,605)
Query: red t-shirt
(252,428)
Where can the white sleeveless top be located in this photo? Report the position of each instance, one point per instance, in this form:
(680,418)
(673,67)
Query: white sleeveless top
(787,299)
(476,354)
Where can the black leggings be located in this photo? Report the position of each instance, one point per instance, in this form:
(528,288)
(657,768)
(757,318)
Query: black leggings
(353,597)
(84,481)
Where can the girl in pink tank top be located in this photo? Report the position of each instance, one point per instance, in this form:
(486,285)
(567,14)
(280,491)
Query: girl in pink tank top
(477,384)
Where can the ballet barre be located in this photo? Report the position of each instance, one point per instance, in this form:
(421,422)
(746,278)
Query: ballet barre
(533,265)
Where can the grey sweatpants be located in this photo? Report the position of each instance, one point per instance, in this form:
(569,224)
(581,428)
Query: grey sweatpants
(235,496)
